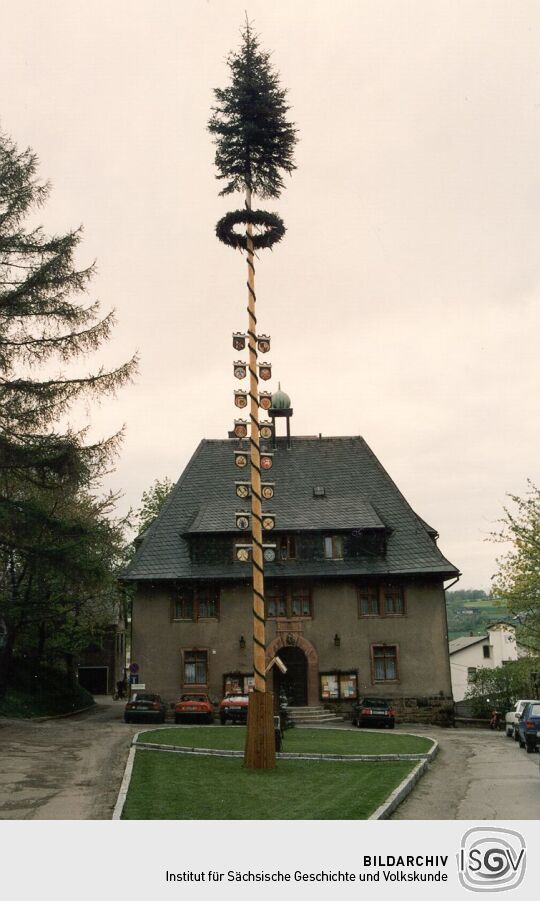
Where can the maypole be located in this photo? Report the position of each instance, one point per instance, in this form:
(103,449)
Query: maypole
(254,143)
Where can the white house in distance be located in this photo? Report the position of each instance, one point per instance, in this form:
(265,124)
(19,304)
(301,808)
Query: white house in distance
(471,652)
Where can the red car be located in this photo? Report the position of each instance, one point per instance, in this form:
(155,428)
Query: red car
(194,707)
(234,708)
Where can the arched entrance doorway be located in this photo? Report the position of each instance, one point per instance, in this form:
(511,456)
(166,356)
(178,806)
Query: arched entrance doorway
(302,662)
(293,683)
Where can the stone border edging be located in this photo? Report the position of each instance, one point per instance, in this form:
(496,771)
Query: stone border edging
(124,787)
(405,788)
(280,755)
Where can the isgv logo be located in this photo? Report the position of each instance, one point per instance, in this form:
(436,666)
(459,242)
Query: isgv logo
(491,859)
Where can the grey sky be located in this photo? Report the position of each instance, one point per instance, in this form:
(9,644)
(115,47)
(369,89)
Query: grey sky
(402,302)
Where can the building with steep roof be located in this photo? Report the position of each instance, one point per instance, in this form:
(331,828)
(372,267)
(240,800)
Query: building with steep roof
(354,593)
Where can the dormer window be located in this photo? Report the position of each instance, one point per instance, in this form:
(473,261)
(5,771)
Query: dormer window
(333,547)
(287,547)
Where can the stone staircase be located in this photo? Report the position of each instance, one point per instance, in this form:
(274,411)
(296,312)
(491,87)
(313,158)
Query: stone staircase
(312,716)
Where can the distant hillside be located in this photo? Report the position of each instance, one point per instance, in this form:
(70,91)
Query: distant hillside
(471,611)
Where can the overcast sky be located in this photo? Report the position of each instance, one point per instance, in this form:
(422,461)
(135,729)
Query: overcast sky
(403,301)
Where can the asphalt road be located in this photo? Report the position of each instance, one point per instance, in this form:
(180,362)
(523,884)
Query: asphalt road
(72,769)
(477,775)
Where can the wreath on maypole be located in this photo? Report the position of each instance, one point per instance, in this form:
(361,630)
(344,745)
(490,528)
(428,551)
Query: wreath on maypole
(273,226)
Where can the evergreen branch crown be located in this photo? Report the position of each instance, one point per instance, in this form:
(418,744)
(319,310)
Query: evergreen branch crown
(253,137)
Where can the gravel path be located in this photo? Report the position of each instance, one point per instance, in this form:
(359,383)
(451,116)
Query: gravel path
(69,768)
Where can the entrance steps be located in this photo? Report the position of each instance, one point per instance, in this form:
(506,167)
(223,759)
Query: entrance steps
(312,716)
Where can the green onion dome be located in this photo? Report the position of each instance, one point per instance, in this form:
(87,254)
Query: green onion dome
(280,400)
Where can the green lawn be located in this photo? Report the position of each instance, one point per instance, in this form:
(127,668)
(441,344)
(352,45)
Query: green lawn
(177,787)
(309,741)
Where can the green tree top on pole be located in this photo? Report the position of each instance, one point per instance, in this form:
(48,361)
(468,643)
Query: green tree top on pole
(254,140)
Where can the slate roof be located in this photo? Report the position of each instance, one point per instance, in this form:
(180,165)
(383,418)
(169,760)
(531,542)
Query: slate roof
(466,641)
(336,513)
(359,495)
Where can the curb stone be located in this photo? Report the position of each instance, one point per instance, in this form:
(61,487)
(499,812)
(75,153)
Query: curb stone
(405,788)
(122,794)
(280,755)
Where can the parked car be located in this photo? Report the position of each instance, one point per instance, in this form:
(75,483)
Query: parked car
(529,726)
(513,715)
(373,712)
(145,707)
(194,707)
(234,708)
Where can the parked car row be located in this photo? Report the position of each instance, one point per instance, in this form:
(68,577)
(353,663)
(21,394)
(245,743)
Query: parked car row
(190,707)
(523,724)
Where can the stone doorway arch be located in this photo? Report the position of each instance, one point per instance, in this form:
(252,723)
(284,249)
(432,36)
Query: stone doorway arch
(294,640)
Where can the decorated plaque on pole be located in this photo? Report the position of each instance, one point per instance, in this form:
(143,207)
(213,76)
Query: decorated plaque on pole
(239,340)
(243,489)
(267,460)
(242,520)
(263,343)
(269,553)
(243,553)
(240,369)
(265,371)
(240,399)
(240,428)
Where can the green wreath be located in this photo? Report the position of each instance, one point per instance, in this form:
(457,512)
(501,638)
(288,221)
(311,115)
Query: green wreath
(275,229)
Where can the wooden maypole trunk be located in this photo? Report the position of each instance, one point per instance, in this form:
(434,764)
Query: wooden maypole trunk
(260,740)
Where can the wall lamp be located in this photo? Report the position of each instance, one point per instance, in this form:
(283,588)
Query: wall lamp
(242,643)
(337,640)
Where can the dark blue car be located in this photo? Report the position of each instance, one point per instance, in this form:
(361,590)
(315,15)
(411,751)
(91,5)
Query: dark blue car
(529,727)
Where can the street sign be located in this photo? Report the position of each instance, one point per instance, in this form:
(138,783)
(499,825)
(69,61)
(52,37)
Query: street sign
(134,667)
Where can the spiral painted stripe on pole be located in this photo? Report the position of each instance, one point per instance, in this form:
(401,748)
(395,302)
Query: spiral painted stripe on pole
(259,636)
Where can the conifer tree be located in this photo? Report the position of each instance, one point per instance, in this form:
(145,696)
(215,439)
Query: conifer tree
(254,140)
(44,322)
